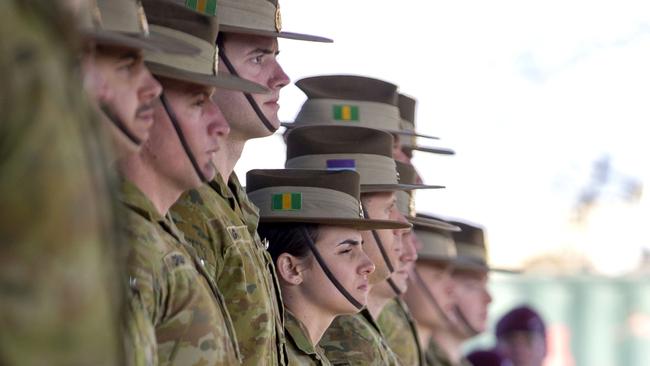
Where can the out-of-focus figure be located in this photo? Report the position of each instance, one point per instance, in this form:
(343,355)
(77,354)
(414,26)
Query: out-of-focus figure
(488,358)
(521,336)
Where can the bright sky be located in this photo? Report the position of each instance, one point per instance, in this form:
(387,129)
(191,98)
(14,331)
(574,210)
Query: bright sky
(529,93)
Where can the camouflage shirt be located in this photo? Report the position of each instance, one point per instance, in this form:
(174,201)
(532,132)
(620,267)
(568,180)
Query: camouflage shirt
(299,347)
(59,286)
(221,223)
(398,327)
(191,324)
(356,340)
(436,356)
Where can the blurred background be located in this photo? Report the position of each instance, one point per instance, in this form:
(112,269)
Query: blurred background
(546,105)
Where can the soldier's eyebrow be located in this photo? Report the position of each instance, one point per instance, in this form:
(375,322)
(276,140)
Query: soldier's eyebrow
(350,242)
(130,54)
(265,51)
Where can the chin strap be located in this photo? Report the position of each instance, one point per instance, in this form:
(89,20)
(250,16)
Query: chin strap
(382,250)
(117,122)
(394,287)
(181,137)
(328,273)
(468,329)
(432,299)
(226,61)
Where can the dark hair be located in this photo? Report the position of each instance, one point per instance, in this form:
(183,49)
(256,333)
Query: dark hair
(287,238)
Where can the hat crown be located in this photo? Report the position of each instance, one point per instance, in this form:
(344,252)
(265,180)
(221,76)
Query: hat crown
(319,140)
(261,15)
(470,244)
(523,318)
(343,181)
(123,16)
(407,108)
(349,87)
(182,19)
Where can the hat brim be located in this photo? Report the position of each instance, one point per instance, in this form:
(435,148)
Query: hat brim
(432,150)
(435,258)
(464,265)
(221,80)
(358,224)
(372,188)
(156,42)
(290,125)
(433,224)
(260,32)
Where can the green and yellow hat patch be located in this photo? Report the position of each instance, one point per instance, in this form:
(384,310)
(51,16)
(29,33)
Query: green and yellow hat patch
(288,201)
(345,112)
(208,7)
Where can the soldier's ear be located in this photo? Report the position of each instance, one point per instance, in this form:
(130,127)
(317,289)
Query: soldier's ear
(288,268)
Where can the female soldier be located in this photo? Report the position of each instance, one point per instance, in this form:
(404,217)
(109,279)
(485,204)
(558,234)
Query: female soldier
(310,220)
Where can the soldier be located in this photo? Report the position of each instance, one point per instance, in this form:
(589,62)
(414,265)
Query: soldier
(218,219)
(191,323)
(60,299)
(521,335)
(395,319)
(470,297)
(429,295)
(124,92)
(311,219)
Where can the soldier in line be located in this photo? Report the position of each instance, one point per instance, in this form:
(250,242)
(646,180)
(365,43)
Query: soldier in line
(470,297)
(395,320)
(184,304)
(60,299)
(429,294)
(356,339)
(311,219)
(218,219)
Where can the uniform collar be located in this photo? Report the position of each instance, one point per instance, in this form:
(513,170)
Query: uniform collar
(133,197)
(219,185)
(297,332)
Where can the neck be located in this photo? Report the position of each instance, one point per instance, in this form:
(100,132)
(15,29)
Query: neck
(424,335)
(160,191)
(312,317)
(450,344)
(376,304)
(229,154)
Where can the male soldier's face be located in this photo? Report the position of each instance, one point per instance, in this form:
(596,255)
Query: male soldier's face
(438,283)
(524,348)
(132,90)
(406,260)
(255,59)
(472,298)
(341,248)
(202,125)
(382,206)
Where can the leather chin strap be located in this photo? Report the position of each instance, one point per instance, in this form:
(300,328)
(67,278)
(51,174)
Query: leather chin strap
(117,122)
(393,286)
(181,137)
(226,61)
(328,273)
(468,329)
(432,299)
(380,245)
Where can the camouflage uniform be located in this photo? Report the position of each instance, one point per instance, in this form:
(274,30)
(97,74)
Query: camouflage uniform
(221,223)
(356,340)
(435,356)
(398,327)
(59,288)
(300,350)
(186,309)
